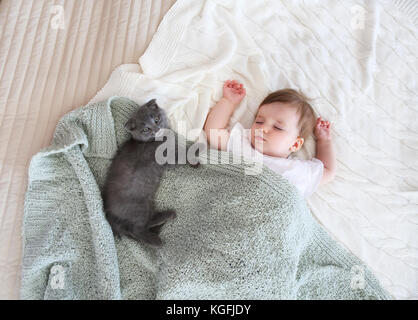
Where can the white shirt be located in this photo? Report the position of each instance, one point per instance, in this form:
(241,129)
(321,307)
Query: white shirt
(305,175)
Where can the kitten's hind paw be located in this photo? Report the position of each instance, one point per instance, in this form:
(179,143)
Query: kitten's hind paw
(156,229)
(172,214)
(161,217)
(151,238)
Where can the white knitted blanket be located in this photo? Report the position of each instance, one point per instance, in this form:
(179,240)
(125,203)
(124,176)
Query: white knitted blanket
(357,59)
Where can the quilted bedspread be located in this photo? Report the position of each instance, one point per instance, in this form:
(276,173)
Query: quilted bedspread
(54,57)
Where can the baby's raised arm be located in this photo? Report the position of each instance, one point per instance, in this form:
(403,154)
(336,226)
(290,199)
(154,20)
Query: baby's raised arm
(219,115)
(325,150)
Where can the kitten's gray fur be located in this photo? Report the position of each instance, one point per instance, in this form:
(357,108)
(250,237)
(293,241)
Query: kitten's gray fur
(133,179)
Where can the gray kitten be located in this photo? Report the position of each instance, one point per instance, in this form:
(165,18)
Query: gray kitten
(134,177)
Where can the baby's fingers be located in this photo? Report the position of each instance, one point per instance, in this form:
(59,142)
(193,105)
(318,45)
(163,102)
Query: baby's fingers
(322,124)
(240,91)
(229,84)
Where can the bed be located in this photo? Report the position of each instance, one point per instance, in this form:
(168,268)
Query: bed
(57,56)
(54,57)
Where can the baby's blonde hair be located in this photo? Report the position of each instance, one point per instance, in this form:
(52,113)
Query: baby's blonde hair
(307,119)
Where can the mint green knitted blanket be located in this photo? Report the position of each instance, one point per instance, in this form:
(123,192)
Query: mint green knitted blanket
(236,236)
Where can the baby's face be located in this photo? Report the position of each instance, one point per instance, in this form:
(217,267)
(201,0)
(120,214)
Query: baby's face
(277,125)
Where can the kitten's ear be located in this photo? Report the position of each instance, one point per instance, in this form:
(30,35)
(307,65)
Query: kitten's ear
(130,125)
(151,103)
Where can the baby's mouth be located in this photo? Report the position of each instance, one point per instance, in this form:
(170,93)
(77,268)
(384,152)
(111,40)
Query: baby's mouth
(258,138)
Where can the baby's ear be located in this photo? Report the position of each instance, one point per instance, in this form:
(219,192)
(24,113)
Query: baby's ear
(298,144)
(130,125)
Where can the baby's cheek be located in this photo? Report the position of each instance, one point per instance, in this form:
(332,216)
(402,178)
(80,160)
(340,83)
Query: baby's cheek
(278,142)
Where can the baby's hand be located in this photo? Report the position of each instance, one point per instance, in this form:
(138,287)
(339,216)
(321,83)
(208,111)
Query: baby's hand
(234,91)
(322,130)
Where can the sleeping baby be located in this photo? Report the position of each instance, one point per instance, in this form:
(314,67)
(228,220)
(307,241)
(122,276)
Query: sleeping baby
(283,121)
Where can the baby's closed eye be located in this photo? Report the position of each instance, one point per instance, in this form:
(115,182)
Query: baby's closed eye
(277,128)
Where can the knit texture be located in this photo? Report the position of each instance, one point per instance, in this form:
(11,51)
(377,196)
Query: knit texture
(236,236)
(410,8)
